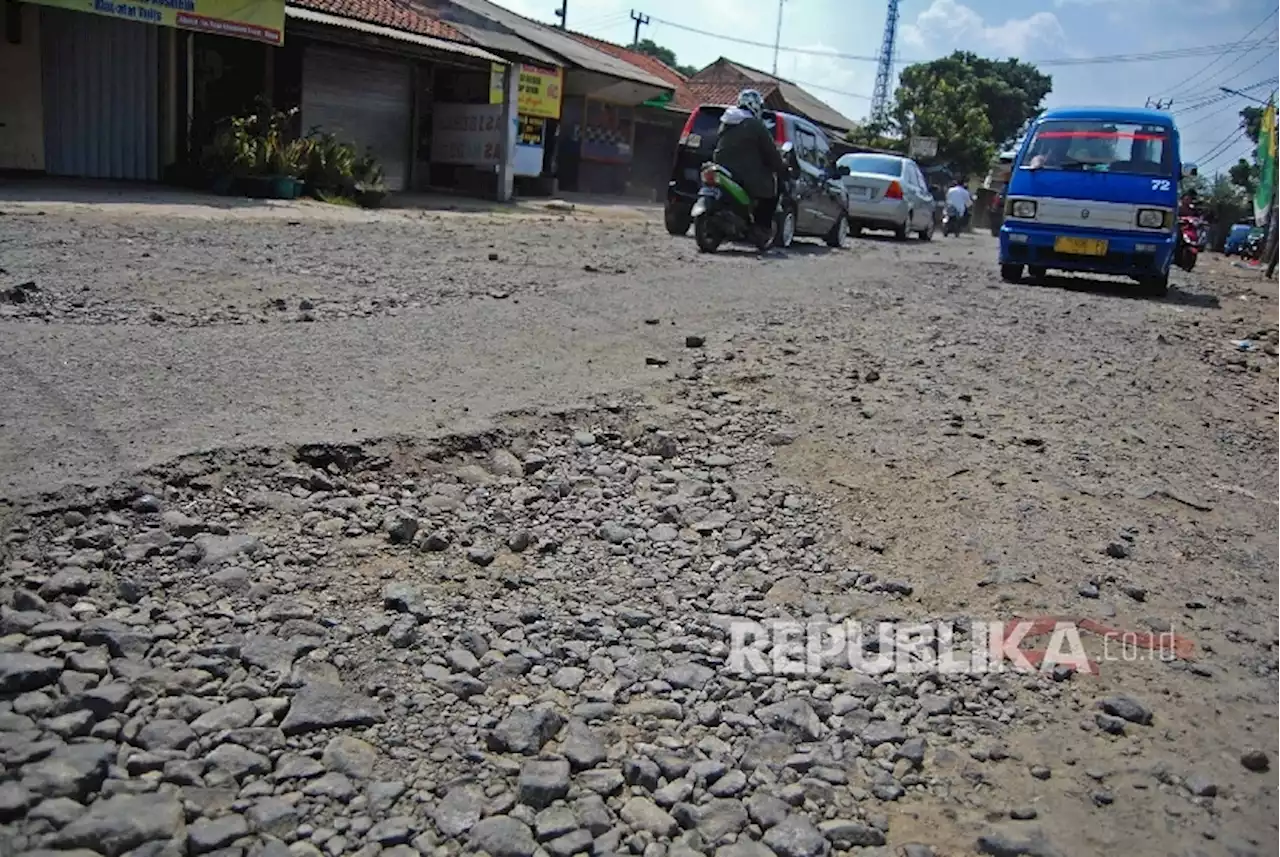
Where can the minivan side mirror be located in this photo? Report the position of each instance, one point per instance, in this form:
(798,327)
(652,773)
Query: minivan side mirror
(1188,170)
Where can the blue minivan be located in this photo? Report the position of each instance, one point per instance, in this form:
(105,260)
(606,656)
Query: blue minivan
(1095,190)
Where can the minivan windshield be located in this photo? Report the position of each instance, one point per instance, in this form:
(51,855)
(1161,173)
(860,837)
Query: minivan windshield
(1093,146)
(881,165)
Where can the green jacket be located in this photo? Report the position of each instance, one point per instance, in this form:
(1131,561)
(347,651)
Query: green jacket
(747,149)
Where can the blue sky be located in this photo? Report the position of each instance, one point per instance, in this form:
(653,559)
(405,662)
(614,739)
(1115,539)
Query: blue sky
(1029,30)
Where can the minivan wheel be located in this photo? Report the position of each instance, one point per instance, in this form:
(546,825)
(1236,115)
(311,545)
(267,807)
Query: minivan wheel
(1011,273)
(677,218)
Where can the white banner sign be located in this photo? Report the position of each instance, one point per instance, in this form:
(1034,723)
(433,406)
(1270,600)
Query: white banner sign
(468,134)
(924,147)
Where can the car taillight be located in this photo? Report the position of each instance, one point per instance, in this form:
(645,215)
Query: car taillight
(780,130)
(688,128)
(894,191)
(709,177)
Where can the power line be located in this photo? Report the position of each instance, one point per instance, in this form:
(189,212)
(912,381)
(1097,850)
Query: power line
(1222,96)
(1218,150)
(1207,99)
(1179,53)
(1173,90)
(1210,97)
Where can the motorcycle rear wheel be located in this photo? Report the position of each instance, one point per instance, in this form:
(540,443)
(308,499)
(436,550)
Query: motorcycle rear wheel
(705,234)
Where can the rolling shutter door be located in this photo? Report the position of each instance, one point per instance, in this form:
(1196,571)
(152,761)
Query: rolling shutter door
(364,99)
(101,96)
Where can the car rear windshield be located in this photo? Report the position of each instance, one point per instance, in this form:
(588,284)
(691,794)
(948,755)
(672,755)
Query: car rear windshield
(1107,147)
(879,164)
(706,123)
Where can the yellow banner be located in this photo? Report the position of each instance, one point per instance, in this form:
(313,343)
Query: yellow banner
(540,91)
(257,20)
(497,83)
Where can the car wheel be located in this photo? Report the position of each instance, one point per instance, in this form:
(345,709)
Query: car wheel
(1011,273)
(677,218)
(839,232)
(1157,287)
(900,232)
(785,230)
(705,234)
(927,234)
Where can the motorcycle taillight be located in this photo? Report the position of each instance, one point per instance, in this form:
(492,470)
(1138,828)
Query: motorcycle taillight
(709,177)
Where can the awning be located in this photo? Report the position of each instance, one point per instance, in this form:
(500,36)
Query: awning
(391,33)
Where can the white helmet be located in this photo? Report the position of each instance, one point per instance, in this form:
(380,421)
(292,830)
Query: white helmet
(751,101)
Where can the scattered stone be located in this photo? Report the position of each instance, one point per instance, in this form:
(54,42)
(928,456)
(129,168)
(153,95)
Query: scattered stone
(796,836)
(1127,708)
(325,706)
(502,836)
(1255,760)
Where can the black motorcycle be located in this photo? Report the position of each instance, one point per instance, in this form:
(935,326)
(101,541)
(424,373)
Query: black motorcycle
(952,221)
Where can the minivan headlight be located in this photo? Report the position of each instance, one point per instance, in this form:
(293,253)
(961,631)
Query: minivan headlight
(1150,218)
(1023,208)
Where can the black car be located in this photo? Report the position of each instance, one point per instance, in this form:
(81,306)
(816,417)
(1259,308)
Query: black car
(818,204)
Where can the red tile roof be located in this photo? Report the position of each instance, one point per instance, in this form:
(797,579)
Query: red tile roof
(691,93)
(653,65)
(387,13)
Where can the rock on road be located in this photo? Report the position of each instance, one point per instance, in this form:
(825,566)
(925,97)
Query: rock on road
(422,534)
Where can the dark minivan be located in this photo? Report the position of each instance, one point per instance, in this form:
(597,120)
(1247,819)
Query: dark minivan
(819,202)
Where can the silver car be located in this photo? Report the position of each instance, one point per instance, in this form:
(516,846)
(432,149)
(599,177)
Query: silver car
(887,192)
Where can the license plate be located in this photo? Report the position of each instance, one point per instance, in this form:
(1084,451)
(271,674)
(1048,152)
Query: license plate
(694,141)
(1080,246)
(859,192)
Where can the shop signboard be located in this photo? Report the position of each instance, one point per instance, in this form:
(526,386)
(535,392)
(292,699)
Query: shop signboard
(541,90)
(467,134)
(256,20)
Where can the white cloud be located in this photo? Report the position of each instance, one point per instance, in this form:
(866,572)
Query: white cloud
(947,24)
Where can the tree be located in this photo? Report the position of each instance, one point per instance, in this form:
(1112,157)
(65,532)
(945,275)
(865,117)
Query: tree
(1011,91)
(1251,122)
(930,105)
(665,55)
(1243,173)
(973,105)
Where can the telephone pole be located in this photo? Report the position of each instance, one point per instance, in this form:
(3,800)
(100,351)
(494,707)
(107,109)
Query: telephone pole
(563,14)
(777,38)
(640,20)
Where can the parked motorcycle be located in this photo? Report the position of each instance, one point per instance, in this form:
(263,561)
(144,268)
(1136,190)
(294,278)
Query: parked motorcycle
(723,211)
(1189,243)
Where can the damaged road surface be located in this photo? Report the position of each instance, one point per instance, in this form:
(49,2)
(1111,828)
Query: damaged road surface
(437,535)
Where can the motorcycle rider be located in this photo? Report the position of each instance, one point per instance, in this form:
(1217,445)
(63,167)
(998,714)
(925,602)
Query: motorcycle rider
(958,197)
(748,151)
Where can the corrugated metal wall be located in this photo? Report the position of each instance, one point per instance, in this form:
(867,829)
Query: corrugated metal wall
(363,98)
(101,96)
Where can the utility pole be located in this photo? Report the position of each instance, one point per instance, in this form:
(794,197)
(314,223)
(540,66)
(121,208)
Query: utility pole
(563,14)
(641,20)
(1157,104)
(777,38)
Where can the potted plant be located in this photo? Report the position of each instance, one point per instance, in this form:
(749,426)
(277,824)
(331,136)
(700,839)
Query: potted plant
(329,164)
(369,185)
